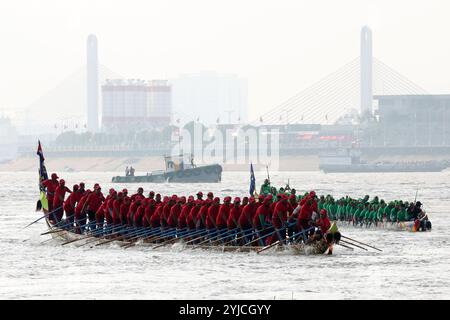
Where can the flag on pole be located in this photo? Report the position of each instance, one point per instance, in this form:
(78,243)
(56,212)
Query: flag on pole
(43,203)
(252,180)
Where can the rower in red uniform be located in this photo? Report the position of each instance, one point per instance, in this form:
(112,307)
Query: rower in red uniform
(202,213)
(260,202)
(224,212)
(259,220)
(191,220)
(155,219)
(51,185)
(211,217)
(100,216)
(82,188)
(175,211)
(58,201)
(279,219)
(138,195)
(116,211)
(222,216)
(245,201)
(124,208)
(149,212)
(324,222)
(133,209)
(185,210)
(166,211)
(233,218)
(94,201)
(246,219)
(80,213)
(305,215)
(140,212)
(158,199)
(109,208)
(70,203)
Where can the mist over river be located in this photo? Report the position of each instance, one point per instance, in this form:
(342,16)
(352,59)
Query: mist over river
(411,266)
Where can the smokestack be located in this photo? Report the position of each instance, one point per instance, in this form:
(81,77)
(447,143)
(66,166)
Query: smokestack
(366,71)
(92,84)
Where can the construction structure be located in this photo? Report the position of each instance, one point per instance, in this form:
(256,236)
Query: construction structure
(92,84)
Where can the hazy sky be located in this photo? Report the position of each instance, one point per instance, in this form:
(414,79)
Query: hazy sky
(280,46)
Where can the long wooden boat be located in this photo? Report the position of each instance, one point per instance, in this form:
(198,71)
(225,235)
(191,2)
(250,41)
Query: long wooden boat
(407,226)
(63,235)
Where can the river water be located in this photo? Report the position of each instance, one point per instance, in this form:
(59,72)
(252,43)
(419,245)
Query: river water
(411,266)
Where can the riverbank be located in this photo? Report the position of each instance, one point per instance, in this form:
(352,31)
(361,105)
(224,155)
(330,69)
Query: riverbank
(153,163)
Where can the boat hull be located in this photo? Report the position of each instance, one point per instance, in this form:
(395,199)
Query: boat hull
(80,240)
(203,174)
(407,226)
(369,168)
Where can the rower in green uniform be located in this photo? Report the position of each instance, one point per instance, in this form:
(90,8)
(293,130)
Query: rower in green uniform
(380,212)
(394,212)
(265,188)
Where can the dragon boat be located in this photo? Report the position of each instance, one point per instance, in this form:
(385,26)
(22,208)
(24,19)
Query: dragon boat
(70,237)
(406,226)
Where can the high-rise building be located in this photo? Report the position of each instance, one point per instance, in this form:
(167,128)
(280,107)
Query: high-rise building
(92,84)
(366,71)
(134,104)
(210,97)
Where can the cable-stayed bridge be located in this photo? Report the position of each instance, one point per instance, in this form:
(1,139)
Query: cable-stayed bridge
(338,94)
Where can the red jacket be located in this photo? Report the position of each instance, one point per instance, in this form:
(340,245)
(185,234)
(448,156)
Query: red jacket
(60,194)
(155,220)
(79,209)
(71,201)
(324,224)
(51,188)
(175,211)
(191,219)
(201,216)
(261,216)
(182,218)
(233,217)
(279,215)
(94,201)
(131,212)
(124,208)
(116,210)
(211,217)
(222,217)
(306,212)
(149,212)
(246,218)
(137,219)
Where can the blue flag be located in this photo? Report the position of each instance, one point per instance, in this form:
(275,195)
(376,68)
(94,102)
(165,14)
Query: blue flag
(252,180)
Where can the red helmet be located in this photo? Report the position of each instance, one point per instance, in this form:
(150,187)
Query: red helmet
(55,176)
(237,199)
(227,199)
(323,212)
(200,193)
